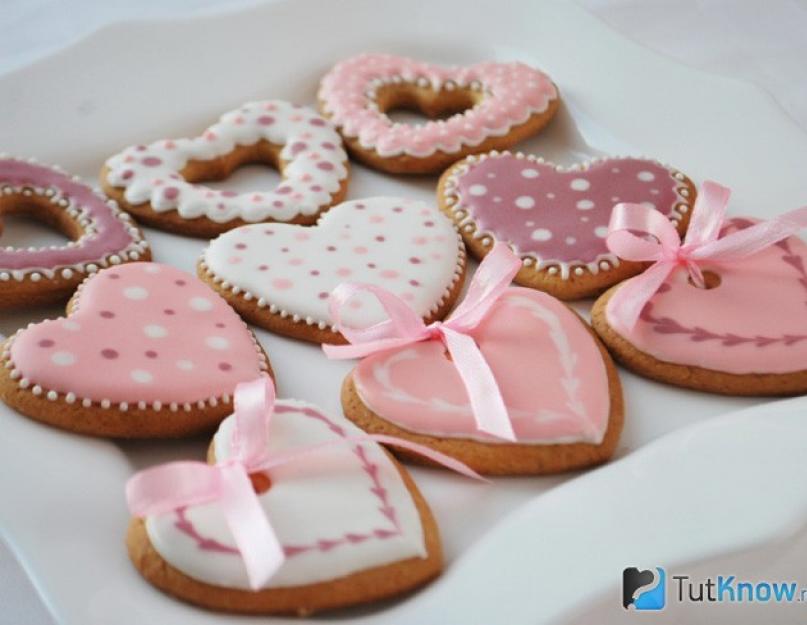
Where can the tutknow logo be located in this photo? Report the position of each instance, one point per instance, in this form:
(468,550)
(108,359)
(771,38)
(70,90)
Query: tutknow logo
(647,590)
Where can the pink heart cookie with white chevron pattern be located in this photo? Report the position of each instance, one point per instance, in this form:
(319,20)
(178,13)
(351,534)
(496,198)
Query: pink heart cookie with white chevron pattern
(746,335)
(558,384)
(554,218)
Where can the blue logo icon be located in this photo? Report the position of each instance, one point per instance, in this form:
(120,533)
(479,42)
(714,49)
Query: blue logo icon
(644,589)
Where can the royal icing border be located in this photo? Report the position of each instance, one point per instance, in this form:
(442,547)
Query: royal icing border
(349,98)
(315,166)
(245,295)
(460,214)
(137,248)
(71,398)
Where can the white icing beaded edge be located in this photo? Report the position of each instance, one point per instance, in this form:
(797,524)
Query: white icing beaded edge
(321,324)
(603,262)
(133,252)
(87,402)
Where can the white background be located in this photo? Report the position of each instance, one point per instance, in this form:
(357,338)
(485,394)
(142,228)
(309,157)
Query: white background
(762,42)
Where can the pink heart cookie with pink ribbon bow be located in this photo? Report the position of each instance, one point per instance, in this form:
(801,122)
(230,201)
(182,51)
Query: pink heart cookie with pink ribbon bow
(146,350)
(559,386)
(745,334)
(556,219)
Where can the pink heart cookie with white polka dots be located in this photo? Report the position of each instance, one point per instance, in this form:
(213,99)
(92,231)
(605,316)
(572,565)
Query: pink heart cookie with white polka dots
(280,276)
(145,351)
(554,218)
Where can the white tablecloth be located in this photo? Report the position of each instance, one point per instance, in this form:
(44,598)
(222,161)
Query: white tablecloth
(761,42)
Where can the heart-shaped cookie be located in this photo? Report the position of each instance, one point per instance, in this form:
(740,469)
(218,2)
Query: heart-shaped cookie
(280,276)
(160,185)
(146,350)
(352,523)
(494,106)
(554,218)
(559,386)
(102,235)
(745,335)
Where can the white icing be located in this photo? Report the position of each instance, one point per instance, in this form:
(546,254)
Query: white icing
(311,174)
(322,496)
(373,242)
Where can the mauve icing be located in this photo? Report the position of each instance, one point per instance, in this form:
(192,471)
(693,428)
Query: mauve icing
(753,322)
(513,93)
(558,217)
(113,234)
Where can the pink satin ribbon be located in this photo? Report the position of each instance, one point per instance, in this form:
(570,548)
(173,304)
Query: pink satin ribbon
(405,327)
(638,233)
(169,487)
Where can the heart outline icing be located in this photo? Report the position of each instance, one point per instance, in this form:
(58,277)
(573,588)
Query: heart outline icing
(163,338)
(400,244)
(382,525)
(498,196)
(682,324)
(419,390)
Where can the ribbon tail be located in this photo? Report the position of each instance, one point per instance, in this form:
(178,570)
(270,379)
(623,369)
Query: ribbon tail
(252,532)
(163,489)
(254,404)
(483,391)
(630,299)
(360,350)
(422,450)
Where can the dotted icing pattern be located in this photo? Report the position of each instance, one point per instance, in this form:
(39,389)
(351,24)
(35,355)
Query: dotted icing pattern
(513,92)
(405,246)
(160,336)
(557,218)
(336,512)
(108,235)
(314,165)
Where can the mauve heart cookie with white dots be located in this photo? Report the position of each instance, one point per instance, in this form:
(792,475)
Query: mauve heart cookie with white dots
(146,350)
(556,218)
(280,276)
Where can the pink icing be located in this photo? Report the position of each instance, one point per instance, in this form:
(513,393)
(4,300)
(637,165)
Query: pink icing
(548,367)
(558,216)
(112,235)
(753,322)
(141,332)
(514,92)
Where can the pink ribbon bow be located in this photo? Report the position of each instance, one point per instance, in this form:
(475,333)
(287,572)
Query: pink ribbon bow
(405,327)
(628,238)
(169,487)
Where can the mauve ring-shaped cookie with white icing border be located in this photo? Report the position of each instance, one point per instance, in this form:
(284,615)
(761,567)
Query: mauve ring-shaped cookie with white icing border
(102,235)
(494,106)
(160,183)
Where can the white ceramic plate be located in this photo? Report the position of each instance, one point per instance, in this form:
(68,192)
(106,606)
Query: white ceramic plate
(557,559)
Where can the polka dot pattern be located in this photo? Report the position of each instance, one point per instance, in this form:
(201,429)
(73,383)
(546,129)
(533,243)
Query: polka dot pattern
(120,344)
(559,215)
(405,246)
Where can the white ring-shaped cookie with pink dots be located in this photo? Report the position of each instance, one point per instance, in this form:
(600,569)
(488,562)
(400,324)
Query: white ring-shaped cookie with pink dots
(280,276)
(161,183)
(473,109)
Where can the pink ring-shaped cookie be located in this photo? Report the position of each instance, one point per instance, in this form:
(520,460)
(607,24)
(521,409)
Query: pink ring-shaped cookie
(104,235)
(307,149)
(509,95)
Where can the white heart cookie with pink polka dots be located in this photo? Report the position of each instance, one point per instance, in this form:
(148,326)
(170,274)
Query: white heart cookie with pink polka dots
(146,350)
(280,276)
(554,218)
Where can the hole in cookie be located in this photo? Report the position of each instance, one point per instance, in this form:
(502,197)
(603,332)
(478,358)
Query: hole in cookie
(710,278)
(254,167)
(260,482)
(34,222)
(412,104)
